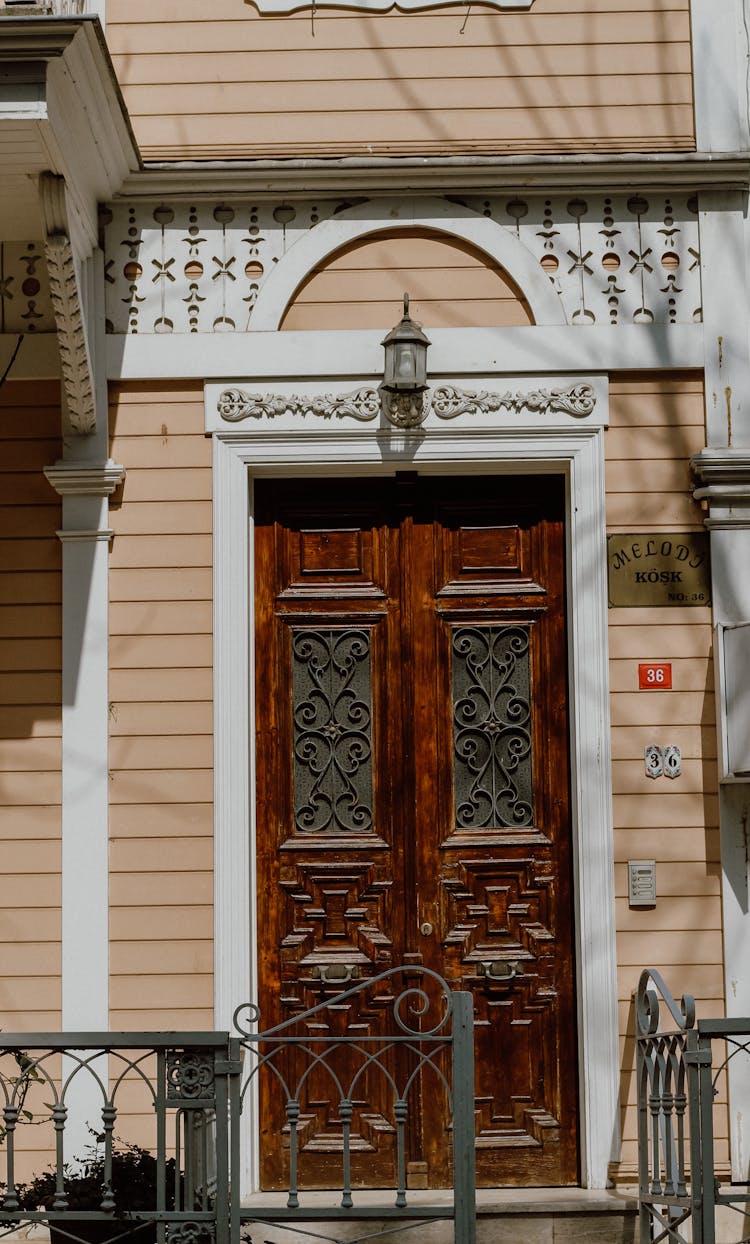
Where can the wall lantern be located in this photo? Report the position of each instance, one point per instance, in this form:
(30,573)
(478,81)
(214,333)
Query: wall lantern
(405,372)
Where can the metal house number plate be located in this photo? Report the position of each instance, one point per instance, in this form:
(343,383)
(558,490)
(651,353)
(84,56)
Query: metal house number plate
(658,568)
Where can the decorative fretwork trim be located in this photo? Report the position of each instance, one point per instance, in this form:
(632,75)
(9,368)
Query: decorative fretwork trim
(233,266)
(65,292)
(445,401)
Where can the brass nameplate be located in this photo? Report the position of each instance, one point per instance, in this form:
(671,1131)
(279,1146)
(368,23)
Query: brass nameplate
(658,568)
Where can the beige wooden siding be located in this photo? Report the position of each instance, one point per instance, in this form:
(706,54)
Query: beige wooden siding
(30,724)
(30,708)
(656,424)
(161,856)
(219,81)
(449,283)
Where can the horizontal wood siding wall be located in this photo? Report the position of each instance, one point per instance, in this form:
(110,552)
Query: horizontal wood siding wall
(450,286)
(30,708)
(161,854)
(30,723)
(219,81)
(656,424)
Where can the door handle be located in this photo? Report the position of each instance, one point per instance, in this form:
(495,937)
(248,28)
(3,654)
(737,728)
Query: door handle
(499,969)
(335,973)
(426,928)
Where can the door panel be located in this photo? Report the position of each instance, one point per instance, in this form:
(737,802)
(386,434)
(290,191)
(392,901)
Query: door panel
(412,776)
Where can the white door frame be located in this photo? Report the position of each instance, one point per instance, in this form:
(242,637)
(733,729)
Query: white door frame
(292,445)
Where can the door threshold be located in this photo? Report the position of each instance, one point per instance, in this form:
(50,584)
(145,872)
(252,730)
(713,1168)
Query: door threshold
(490,1201)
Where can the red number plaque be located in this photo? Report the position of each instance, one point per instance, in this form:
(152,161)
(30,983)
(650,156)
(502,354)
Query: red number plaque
(655,676)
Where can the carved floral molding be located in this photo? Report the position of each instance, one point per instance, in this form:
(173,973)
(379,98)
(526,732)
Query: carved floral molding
(235,405)
(449,402)
(366,404)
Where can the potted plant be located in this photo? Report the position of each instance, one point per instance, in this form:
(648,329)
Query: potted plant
(133,1188)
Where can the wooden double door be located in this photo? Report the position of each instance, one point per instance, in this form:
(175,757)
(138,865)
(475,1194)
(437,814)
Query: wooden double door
(412,789)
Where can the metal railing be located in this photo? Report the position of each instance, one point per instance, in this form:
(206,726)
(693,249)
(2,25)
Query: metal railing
(679,1063)
(43,8)
(166,1118)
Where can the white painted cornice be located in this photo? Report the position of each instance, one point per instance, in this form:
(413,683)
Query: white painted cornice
(85,479)
(97,534)
(722,478)
(721,468)
(76,126)
(691,171)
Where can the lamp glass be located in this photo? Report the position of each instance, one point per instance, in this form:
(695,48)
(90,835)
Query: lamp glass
(405,363)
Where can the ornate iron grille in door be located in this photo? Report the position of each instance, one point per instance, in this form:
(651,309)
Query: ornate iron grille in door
(332,707)
(492,775)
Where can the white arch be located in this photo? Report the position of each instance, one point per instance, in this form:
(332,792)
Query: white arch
(380,215)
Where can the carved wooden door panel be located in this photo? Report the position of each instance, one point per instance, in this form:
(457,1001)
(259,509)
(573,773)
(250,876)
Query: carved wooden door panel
(412,779)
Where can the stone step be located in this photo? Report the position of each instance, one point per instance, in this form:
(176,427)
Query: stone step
(507,1216)
(556,1216)
(504,1216)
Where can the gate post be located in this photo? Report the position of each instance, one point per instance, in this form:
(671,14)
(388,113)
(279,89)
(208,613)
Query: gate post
(464,1192)
(221,1145)
(234,1083)
(707,1178)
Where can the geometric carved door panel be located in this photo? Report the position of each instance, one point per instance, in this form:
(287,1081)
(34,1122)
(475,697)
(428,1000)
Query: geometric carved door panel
(412,794)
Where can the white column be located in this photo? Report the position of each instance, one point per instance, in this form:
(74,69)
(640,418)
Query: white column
(724,475)
(85,906)
(721,45)
(724,241)
(84,477)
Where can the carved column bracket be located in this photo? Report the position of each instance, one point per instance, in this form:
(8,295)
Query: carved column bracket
(65,291)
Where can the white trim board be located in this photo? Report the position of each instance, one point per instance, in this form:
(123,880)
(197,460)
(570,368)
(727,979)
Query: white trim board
(268,355)
(576,452)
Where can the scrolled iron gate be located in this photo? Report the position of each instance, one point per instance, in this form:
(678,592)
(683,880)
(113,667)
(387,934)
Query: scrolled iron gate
(681,1065)
(165,1115)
